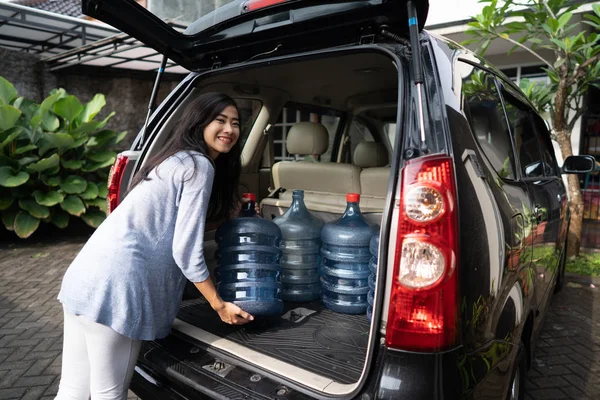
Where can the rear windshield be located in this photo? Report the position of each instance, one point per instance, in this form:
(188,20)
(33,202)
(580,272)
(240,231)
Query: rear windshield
(184,11)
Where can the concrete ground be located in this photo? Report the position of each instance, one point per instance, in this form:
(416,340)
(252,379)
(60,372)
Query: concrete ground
(566,364)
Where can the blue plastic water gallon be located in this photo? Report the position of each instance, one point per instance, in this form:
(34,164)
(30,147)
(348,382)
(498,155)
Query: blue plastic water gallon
(248,265)
(374,250)
(300,246)
(345,260)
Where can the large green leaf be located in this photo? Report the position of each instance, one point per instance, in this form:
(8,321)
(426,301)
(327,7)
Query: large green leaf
(73,205)
(25,149)
(48,199)
(68,107)
(91,109)
(17,102)
(120,136)
(60,218)
(25,225)
(89,167)
(9,116)
(73,184)
(6,199)
(8,217)
(33,208)
(50,122)
(91,192)
(50,180)
(98,203)
(93,218)
(71,164)
(79,142)
(46,106)
(7,91)
(103,189)
(61,141)
(101,138)
(101,156)
(10,178)
(27,160)
(44,164)
(10,135)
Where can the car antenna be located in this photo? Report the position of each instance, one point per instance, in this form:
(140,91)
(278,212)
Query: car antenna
(413,31)
(152,102)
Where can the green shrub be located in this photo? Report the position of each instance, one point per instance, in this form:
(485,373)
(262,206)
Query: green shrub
(54,160)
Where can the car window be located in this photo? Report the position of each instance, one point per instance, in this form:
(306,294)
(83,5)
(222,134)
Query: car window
(547,150)
(293,113)
(484,111)
(525,139)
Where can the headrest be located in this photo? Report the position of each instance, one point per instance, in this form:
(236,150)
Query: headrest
(307,138)
(370,154)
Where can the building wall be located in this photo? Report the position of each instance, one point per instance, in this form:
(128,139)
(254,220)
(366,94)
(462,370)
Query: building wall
(127,96)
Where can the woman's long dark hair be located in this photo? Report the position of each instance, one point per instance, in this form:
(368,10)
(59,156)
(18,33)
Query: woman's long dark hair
(189,135)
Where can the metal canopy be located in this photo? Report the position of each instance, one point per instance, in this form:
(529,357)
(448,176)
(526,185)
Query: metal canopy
(64,42)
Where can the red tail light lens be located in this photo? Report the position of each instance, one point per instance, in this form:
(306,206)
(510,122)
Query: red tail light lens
(114,182)
(423,304)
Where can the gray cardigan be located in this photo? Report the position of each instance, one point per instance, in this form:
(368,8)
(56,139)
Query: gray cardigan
(131,273)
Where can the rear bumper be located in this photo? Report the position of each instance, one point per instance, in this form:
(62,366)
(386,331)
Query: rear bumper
(178,370)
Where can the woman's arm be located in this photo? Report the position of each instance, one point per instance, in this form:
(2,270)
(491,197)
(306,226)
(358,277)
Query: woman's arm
(229,312)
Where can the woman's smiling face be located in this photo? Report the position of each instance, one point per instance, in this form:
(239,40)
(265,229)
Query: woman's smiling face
(223,132)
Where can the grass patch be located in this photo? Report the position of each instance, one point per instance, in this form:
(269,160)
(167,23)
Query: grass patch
(585,264)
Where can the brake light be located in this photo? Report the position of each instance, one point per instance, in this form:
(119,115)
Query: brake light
(253,5)
(114,182)
(423,304)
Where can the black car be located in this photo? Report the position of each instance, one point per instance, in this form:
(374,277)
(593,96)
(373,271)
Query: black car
(451,161)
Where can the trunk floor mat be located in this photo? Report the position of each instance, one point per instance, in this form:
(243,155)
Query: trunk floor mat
(307,335)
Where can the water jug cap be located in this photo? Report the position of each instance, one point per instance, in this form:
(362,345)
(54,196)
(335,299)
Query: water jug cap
(248,197)
(352,197)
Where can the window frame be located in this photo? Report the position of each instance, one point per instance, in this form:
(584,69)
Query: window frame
(467,114)
(530,112)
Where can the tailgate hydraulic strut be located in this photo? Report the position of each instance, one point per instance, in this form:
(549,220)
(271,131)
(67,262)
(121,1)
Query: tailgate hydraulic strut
(152,102)
(413,30)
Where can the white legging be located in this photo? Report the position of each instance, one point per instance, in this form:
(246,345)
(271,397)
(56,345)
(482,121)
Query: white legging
(96,360)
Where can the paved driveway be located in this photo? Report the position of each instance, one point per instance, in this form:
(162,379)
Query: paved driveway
(566,365)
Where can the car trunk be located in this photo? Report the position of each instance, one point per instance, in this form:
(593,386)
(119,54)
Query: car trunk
(308,344)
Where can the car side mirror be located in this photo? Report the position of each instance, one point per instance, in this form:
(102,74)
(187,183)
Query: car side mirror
(579,165)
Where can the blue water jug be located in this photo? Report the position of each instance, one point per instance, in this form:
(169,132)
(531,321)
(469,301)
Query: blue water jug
(345,260)
(300,246)
(248,265)
(374,250)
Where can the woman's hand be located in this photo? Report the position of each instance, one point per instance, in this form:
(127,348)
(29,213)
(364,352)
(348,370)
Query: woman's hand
(232,314)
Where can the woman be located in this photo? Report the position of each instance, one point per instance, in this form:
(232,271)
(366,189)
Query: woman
(126,284)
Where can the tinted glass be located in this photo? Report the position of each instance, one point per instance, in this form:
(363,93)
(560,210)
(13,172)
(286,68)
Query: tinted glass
(546,148)
(484,111)
(523,132)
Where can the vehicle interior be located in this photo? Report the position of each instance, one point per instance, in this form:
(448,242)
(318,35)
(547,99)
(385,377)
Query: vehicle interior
(326,125)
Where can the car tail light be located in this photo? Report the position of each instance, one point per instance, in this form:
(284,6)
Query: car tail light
(423,304)
(253,5)
(114,182)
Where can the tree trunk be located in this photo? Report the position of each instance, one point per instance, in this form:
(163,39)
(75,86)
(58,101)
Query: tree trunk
(563,136)
(576,202)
